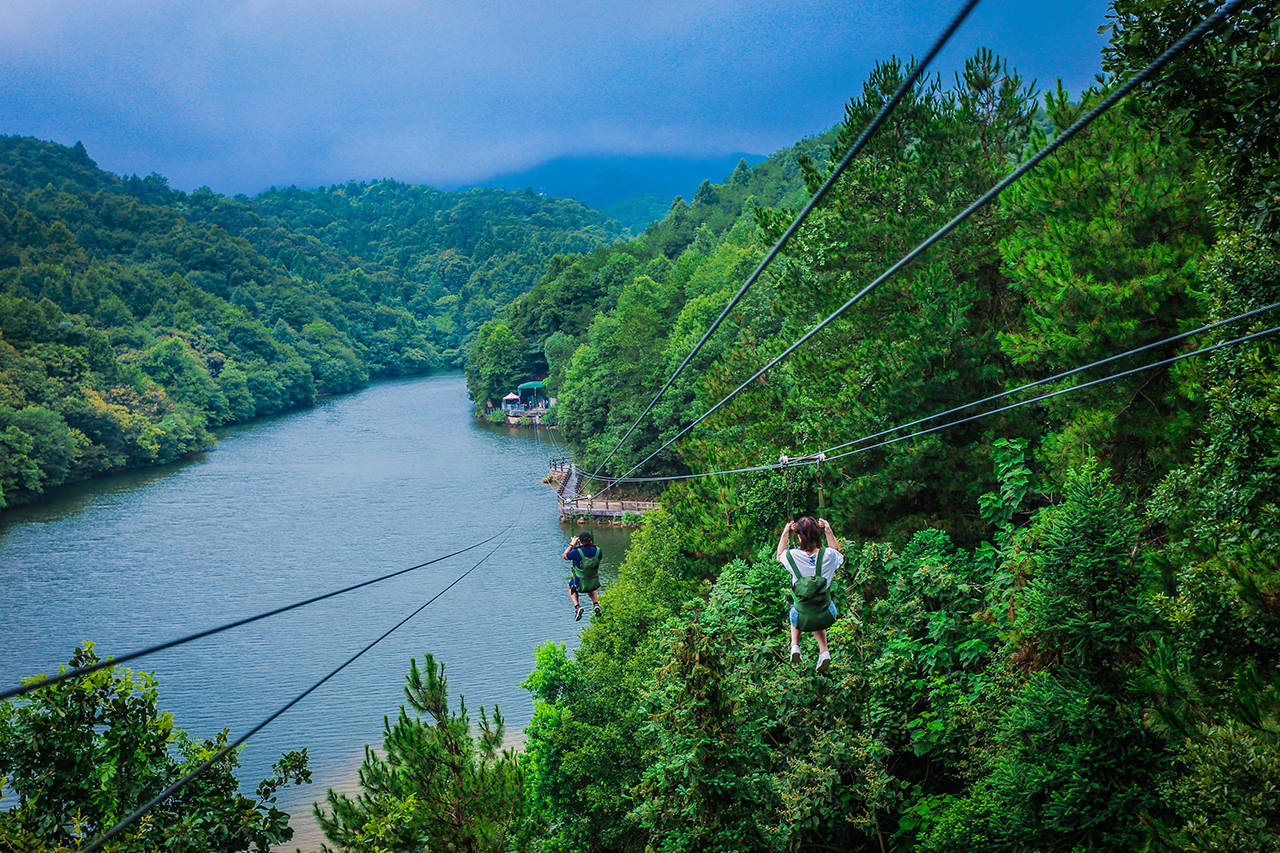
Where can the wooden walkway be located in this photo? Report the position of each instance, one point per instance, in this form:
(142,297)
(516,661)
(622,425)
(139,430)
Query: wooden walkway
(575,505)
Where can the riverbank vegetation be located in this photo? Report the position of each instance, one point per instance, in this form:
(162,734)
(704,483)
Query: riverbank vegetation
(82,754)
(134,318)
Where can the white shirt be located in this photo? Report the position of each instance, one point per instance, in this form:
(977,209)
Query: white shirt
(807,563)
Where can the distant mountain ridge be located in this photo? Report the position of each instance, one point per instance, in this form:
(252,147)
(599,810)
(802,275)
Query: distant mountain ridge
(634,190)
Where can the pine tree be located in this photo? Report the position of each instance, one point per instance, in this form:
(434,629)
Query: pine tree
(434,786)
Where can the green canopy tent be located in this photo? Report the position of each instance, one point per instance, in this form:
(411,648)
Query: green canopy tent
(532,394)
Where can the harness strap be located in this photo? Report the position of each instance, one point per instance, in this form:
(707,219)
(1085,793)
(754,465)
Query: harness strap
(786,484)
(791,566)
(817,565)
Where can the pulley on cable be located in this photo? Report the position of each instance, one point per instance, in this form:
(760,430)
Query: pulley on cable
(788,482)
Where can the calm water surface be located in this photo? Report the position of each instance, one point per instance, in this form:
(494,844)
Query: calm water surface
(288,508)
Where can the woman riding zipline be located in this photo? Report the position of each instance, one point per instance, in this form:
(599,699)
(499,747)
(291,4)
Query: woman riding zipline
(811,567)
(585,555)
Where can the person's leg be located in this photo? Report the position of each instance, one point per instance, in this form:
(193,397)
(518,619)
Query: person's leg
(824,656)
(595,601)
(577,605)
(795,637)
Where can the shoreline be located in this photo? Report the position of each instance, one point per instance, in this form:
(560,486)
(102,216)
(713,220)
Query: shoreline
(217,433)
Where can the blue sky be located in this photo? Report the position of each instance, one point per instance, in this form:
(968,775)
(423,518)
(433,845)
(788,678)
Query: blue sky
(243,94)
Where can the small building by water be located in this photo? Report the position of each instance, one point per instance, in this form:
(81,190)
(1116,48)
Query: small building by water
(525,406)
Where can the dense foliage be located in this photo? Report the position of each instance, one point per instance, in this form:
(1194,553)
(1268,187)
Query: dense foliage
(81,755)
(539,332)
(133,318)
(1059,624)
(456,258)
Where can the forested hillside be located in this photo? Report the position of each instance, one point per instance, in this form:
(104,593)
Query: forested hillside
(1059,624)
(462,257)
(134,317)
(538,332)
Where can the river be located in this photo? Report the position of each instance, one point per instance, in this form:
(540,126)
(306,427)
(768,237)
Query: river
(290,507)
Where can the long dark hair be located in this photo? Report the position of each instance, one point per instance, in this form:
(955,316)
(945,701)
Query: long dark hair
(810,533)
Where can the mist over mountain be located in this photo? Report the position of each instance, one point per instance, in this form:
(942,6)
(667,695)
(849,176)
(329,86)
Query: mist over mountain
(634,190)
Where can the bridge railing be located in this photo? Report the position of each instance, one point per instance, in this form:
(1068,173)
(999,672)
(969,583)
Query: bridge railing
(573,504)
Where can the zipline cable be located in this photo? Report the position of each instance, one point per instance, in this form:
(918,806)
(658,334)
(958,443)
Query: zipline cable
(159,647)
(1056,376)
(853,152)
(1060,391)
(820,457)
(97,843)
(1080,124)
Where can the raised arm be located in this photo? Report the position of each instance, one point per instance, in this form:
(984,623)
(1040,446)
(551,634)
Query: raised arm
(572,544)
(831,536)
(783,539)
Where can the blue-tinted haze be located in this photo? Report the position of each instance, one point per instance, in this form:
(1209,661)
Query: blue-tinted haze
(248,93)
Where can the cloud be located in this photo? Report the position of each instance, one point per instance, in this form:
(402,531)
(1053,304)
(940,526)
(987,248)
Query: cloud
(241,95)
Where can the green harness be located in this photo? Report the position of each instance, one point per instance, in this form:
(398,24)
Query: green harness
(588,570)
(810,596)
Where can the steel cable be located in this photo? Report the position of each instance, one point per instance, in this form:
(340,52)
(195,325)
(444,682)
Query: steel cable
(1060,391)
(97,843)
(822,456)
(853,152)
(1080,124)
(159,647)
(1056,376)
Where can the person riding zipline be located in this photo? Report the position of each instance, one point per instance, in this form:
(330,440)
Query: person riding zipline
(585,555)
(811,568)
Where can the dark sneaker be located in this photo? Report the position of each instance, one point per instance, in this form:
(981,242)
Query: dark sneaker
(598,610)
(577,613)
